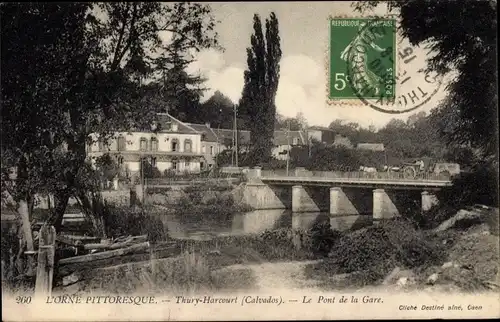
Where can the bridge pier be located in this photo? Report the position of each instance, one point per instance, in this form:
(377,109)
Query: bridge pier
(262,196)
(254,174)
(306,200)
(428,200)
(383,207)
(340,205)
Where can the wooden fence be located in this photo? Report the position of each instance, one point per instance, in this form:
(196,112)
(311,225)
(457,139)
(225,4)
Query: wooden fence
(45,265)
(97,253)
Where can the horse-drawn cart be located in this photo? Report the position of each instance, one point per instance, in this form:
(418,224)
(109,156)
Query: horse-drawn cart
(417,170)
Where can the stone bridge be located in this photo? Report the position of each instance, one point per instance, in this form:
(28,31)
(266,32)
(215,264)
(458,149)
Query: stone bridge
(381,195)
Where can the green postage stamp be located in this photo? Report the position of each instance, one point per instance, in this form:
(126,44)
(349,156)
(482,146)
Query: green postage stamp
(362,59)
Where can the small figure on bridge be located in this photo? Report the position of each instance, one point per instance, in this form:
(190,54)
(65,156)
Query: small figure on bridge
(421,164)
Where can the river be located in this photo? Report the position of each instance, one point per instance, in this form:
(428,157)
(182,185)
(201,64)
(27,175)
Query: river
(254,222)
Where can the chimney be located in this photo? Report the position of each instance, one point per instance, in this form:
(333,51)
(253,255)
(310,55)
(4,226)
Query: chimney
(207,124)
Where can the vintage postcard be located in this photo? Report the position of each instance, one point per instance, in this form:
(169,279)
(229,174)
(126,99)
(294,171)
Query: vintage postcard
(249,160)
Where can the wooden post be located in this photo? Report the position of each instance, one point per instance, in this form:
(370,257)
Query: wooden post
(153,260)
(45,268)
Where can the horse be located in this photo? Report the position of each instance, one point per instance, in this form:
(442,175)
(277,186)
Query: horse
(391,169)
(368,169)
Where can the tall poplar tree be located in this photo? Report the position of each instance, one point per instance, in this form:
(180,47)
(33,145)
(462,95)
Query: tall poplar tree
(257,104)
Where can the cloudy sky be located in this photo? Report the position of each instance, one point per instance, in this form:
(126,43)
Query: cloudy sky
(303,30)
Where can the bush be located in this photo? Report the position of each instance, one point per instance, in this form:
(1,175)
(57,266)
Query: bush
(478,186)
(323,238)
(158,190)
(378,249)
(121,221)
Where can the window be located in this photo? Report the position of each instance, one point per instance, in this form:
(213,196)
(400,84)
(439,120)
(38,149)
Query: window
(187,164)
(101,145)
(120,160)
(295,141)
(174,164)
(203,136)
(202,165)
(174,127)
(168,126)
(154,144)
(175,145)
(121,143)
(143,144)
(211,150)
(203,149)
(187,145)
(153,162)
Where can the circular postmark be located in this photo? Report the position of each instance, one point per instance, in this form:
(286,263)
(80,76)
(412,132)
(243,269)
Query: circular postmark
(385,72)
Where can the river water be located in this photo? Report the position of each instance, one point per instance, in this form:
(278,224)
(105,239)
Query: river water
(255,222)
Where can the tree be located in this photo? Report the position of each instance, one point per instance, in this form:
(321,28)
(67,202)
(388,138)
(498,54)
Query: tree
(107,167)
(219,111)
(35,62)
(257,103)
(296,123)
(72,70)
(463,39)
(349,130)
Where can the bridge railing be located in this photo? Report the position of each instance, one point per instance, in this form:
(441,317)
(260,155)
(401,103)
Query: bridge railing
(355,175)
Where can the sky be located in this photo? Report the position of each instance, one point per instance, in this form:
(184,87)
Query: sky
(303,28)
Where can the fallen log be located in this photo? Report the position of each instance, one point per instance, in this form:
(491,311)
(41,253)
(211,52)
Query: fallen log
(162,251)
(107,254)
(75,238)
(68,241)
(82,268)
(111,246)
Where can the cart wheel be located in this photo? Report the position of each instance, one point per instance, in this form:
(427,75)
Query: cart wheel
(445,174)
(409,173)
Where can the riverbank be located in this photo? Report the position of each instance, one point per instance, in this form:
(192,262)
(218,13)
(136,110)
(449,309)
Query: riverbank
(389,255)
(209,201)
(459,255)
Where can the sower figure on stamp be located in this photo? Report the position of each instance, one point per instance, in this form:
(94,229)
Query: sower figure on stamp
(355,54)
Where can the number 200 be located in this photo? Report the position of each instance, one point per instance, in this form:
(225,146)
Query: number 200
(23,299)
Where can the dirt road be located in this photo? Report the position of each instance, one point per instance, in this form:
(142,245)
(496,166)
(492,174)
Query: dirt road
(270,276)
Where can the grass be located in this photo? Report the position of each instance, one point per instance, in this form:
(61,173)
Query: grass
(198,268)
(186,273)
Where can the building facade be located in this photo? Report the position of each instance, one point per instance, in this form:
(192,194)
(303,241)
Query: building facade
(284,141)
(210,146)
(321,134)
(174,146)
(169,145)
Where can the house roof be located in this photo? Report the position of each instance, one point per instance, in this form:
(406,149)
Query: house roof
(209,134)
(164,118)
(371,146)
(319,128)
(280,137)
(226,136)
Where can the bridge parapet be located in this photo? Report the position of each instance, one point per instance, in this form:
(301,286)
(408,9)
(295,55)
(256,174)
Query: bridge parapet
(302,173)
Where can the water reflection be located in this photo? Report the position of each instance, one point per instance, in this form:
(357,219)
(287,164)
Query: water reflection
(255,222)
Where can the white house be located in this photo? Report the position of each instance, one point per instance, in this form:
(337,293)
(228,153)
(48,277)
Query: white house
(169,145)
(284,141)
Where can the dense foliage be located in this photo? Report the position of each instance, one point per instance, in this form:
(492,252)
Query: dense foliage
(72,70)
(463,39)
